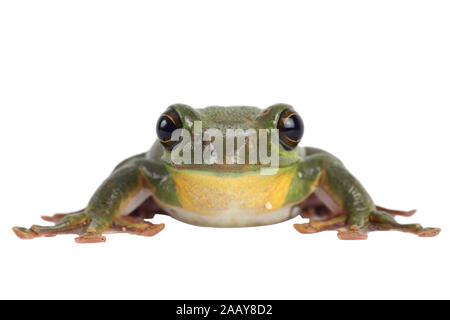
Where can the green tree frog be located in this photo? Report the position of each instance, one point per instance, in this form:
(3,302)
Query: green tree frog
(229,190)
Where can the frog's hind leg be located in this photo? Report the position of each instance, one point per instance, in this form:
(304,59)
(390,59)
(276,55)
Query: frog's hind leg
(70,223)
(336,188)
(324,215)
(79,223)
(383,220)
(121,224)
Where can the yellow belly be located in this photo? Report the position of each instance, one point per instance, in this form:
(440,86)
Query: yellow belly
(253,193)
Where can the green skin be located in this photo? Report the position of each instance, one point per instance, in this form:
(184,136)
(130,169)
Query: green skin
(321,186)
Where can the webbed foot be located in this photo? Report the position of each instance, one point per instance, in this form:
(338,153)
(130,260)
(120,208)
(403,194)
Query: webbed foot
(315,226)
(89,229)
(379,220)
(383,220)
(352,235)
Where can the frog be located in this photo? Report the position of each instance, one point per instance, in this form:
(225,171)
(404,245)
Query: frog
(307,182)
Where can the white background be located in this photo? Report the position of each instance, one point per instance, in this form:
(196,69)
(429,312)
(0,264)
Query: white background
(82,84)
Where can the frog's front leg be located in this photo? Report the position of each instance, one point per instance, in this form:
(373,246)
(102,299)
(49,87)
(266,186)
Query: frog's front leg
(352,211)
(103,212)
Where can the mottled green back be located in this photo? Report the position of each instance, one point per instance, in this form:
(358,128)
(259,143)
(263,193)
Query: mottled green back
(222,118)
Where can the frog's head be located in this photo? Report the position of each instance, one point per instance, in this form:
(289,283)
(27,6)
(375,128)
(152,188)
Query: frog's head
(237,131)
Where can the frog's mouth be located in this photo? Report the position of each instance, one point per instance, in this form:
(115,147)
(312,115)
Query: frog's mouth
(224,168)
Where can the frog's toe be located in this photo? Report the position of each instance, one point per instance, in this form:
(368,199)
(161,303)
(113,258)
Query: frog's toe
(382,220)
(58,216)
(352,235)
(43,231)
(152,230)
(24,233)
(397,212)
(429,232)
(54,218)
(322,225)
(305,228)
(90,238)
(136,226)
(73,223)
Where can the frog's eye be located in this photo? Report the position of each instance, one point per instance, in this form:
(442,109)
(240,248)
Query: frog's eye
(168,122)
(291,128)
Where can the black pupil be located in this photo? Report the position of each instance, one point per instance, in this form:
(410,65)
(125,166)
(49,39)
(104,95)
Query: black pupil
(164,128)
(292,127)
